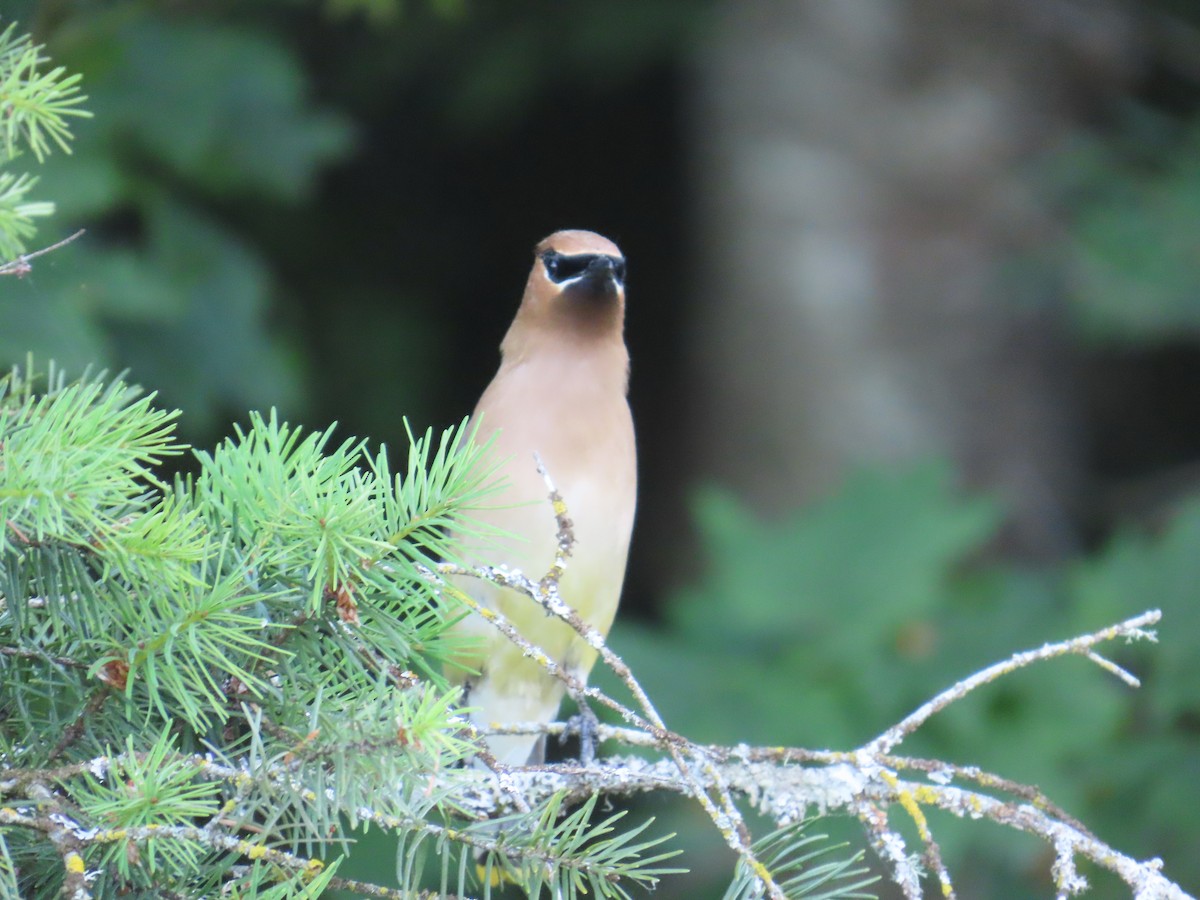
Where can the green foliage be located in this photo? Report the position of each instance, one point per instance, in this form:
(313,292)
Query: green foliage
(605,863)
(215,234)
(794,856)
(484,70)
(832,598)
(199,128)
(35,104)
(824,628)
(204,678)
(1133,274)
(262,882)
(63,482)
(157,787)
(223,107)
(17,213)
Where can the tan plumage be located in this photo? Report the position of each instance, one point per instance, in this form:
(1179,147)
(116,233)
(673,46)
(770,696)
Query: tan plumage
(560,392)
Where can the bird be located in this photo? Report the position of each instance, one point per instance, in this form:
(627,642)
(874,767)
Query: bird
(560,393)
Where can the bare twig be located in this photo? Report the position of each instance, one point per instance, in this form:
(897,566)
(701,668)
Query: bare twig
(890,847)
(1131,629)
(942,773)
(1144,878)
(704,770)
(786,793)
(767,777)
(75,730)
(26,653)
(693,764)
(715,798)
(20,265)
(933,853)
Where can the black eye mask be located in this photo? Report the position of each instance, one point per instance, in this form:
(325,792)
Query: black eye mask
(561,267)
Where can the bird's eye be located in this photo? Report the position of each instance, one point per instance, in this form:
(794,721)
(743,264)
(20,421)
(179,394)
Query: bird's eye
(619,269)
(562,268)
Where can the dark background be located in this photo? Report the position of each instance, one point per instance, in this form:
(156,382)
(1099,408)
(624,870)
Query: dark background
(914,314)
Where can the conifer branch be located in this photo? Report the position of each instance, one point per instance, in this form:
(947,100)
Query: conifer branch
(36,105)
(287,611)
(871,765)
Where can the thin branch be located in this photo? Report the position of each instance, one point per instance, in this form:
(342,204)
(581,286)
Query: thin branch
(1109,666)
(75,730)
(20,265)
(703,768)
(42,656)
(690,759)
(56,829)
(890,847)
(1144,878)
(1131,629)
(787,793)
(367,889)
(767,777)
(715,798)
(942,773)
(724,812)
(933,853)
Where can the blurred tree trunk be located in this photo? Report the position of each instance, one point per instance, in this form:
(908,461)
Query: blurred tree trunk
(863,168)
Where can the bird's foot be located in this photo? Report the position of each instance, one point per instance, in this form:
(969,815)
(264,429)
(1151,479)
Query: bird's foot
(586,723)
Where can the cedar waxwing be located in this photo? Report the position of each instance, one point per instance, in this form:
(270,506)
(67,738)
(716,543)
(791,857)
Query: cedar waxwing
(560,394)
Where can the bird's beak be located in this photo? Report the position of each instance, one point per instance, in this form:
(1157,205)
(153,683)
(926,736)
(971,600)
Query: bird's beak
(600,279)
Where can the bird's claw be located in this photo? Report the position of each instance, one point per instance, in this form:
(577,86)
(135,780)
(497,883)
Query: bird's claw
(586,724)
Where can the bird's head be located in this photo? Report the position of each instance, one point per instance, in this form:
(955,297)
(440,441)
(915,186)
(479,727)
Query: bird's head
(577,284)
(573,309)
(580,265)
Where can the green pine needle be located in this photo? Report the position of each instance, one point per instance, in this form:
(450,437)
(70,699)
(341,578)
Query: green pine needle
(792,856)
(36,104)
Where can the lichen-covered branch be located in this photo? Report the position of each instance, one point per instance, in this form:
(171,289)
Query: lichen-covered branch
(1131,629)
(691,760)
(863,782)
